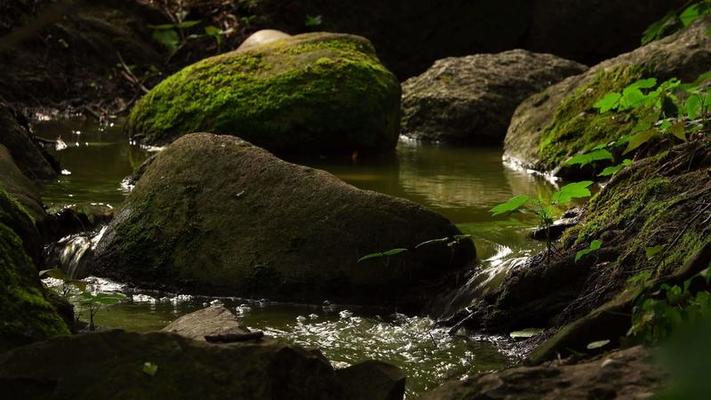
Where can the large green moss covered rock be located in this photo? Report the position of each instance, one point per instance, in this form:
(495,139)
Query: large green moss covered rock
(550,127)
(25,312)
(215,214)
(318,93)
(116,365)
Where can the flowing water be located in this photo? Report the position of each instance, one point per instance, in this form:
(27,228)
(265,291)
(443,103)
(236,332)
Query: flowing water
(462,184)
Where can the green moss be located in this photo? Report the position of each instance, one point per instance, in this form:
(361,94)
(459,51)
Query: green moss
(577,127)
(652,210)
(320,93)
(25,313)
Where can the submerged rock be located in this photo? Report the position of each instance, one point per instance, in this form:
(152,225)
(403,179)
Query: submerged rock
(471,99)
(211,321)
(550,127)
(215,214)
(319,93)
(625,374)
(120,365)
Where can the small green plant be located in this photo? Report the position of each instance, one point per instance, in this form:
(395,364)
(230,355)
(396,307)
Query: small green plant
(676,20)
(545,209)
(594,246)
(313,21)
(172,36)
(78,292)
(659,313)
(93,302)
(671,109)
(450,241)
(150,368)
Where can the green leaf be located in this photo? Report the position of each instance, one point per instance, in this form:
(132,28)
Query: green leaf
(693,106)
(651,252)
(597,344)
(607,103)
(639,139)
(677,129)
(587,158)
(691,14)
(644,83)
(212,30)
(109,299)
(389,253)
(632,97)
(168,38)
(594,246)
(512,205)
(576,190)
(187,24)
(313,20)
(609,171)
(525,333)
(150,369)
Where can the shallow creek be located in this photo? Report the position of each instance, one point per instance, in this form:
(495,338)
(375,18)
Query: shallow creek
(462,184)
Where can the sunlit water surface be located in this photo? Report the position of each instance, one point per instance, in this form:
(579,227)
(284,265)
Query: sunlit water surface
(462,184)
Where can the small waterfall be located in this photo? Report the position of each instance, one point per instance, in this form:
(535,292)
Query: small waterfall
(71,253)
(483,281)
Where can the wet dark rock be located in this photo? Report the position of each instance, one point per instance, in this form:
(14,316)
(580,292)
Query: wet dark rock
(569,219)
(215,214)
(30,158)
(211,321)
(626,374)
(112,365)
(73,220)
(471,99)
(373,380)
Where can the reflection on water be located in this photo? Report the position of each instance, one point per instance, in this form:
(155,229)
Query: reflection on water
(96,159)
(462,184)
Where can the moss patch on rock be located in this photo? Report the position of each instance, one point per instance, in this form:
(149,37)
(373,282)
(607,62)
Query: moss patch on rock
(312,93)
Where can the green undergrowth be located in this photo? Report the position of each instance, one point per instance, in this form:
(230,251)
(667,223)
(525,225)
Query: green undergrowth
(322,91)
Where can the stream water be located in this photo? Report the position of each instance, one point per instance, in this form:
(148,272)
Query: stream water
(462,184)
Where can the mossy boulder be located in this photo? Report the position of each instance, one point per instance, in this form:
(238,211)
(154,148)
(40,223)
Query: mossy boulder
(470,100)
(550,127)
(217,215)
(25,312)
(319,93)
(658,202)
(112,365)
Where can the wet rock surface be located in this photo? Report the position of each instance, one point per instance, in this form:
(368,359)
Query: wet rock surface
(211,321)
(218,215)
(625,374)
(471,99)
(119,365)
